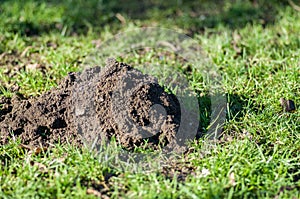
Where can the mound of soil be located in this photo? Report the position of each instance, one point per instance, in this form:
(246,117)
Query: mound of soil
(93,106)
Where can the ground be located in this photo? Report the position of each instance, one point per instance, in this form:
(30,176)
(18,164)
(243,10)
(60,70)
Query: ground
(254,45)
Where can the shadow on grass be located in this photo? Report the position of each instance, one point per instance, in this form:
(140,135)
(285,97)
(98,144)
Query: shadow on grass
(78,16)
(236,105)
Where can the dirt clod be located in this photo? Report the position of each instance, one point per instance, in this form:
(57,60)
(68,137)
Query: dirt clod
(94,105)
(287,105)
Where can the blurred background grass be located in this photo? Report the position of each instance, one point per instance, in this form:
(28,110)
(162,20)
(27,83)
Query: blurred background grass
(37,17)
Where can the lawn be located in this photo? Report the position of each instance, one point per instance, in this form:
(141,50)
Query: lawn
(255,47)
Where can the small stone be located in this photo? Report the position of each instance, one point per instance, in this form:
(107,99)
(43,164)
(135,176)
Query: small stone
(79,111)
(32,66)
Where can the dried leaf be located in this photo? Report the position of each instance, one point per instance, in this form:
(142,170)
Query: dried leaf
(169,45)
(24,53)
(3,55)
(93,192)
(232,179)
(38,150)
(28,147)
(235,43)
(279,142)
(32,66)
(121,18)
(97,43)
(204,172)
(42,168)
(33,149)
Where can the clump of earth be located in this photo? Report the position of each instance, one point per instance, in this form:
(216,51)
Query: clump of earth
(93,106)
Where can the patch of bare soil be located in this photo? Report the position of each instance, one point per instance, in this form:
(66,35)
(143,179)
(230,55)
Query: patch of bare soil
(92,106)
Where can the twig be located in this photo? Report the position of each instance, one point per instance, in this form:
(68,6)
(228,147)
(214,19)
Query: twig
(296,7)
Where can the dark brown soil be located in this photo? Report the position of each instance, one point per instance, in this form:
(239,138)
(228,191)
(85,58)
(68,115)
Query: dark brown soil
(94,106)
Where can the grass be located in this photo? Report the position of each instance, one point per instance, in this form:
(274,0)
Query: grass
(257,54)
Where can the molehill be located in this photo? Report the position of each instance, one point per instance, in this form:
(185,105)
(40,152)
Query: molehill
(93,106)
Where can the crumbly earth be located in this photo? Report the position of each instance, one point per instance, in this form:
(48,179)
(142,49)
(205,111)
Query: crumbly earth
(93,106)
